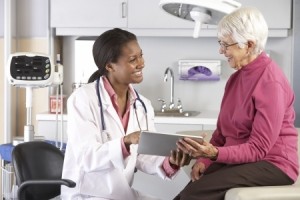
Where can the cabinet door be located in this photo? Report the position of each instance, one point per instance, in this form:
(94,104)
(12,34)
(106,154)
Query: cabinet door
(88,13)
(278,13)
(148,14)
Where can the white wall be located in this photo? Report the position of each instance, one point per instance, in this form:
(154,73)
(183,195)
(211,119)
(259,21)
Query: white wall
(159,53)
(163,52)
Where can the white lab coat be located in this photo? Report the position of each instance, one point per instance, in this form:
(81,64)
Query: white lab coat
(94,161)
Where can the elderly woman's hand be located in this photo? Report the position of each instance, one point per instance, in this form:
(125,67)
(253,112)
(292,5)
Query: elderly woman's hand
(197,170)
(197,148)
(179,159)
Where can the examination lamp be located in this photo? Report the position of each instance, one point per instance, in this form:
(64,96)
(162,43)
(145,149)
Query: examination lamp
(29,70)
(199,11)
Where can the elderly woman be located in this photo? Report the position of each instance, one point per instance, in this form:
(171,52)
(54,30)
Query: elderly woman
(255,142)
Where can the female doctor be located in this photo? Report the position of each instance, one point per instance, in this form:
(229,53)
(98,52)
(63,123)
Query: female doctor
(105,118)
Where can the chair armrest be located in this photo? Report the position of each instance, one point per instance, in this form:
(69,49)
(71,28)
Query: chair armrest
(288,192)
(66,182)
(25,184)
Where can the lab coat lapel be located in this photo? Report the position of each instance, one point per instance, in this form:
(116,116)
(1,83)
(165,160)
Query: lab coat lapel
(130,161)
(111,114)
(108,109)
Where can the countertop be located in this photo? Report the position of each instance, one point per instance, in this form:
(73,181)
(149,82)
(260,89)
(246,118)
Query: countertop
(208,117)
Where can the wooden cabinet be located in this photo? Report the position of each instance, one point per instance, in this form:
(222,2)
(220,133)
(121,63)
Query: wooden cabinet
(146,18)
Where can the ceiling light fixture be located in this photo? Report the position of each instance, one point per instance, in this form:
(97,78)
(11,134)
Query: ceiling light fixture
(199,11)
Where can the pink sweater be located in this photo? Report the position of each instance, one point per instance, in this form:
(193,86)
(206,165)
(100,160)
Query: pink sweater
(256,120)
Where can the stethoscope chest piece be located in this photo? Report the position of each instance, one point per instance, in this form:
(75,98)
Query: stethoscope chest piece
(106,135)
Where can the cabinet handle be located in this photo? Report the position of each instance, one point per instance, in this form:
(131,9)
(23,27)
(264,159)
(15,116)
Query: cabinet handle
(124,13)
(232,3)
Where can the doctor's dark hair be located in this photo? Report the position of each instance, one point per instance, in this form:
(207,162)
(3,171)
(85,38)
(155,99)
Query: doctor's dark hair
(108,48)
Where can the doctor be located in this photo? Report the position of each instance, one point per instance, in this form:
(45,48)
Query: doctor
(105,118)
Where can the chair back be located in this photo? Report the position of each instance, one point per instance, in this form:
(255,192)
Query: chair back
(37,160)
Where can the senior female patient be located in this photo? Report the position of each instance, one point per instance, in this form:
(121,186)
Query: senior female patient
(255,142)
(105,118)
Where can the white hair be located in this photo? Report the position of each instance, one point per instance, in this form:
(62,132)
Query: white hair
(243,25)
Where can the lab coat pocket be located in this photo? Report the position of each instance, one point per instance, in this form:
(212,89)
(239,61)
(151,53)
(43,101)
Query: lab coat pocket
(110,184)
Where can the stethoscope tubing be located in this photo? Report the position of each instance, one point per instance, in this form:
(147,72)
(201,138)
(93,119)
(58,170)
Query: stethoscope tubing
(103,126)
(101,106)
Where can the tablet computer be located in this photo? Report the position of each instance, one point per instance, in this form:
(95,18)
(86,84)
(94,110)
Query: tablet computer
(160,144)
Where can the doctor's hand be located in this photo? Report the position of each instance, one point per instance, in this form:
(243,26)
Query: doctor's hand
(132,138)
(179,159)
(197,170)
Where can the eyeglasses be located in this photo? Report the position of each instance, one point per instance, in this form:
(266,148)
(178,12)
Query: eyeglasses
(225,46)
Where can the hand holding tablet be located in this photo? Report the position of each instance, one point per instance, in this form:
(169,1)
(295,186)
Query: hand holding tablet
(161,144)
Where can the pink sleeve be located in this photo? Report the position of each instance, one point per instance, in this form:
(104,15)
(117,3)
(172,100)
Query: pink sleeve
(206,161)
(169,170)
(265,130)
(124,149)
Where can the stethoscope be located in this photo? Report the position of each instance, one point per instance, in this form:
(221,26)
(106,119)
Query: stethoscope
(103,125)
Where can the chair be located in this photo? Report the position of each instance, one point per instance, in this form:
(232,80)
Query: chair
(38,169)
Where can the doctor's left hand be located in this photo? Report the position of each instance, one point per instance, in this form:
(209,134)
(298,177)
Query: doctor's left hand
(179,158)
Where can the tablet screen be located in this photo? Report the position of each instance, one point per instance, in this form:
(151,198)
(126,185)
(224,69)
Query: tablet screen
(161,144)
